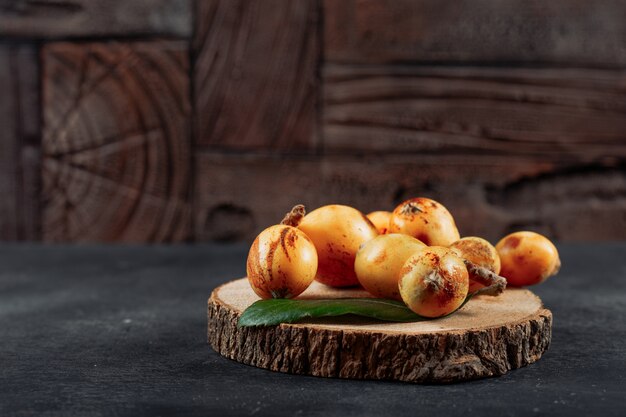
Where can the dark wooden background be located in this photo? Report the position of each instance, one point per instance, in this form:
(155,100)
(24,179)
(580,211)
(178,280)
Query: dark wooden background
(180,120)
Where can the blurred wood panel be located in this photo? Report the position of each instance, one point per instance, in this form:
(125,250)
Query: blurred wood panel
(237,197)
(577,114)
(64,18)
(512,113)
(255,74)
(19,143)
(563,32)
(116,143)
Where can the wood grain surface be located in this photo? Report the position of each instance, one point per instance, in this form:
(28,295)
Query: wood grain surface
(116,142)
(237,197)
(487,337)
(75,18)
(255,75)
(159,112)
(560,32)
(19,143)
(569,114)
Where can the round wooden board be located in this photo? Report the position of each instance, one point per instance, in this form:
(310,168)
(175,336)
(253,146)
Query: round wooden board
(487,337)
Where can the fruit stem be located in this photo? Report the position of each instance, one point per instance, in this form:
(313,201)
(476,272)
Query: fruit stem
(494,283)
(294,216)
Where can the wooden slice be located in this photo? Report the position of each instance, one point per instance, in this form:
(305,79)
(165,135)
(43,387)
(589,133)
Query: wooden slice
(487,337)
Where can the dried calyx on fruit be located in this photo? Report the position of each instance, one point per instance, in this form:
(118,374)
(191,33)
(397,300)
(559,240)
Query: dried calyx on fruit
(426,220)
(477,252)
(434,282)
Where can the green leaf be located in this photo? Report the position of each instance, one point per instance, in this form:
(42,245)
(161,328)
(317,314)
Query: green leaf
(281,310)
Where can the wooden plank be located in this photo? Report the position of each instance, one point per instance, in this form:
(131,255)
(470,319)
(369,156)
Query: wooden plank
(19,143)
(65,18)
(491,336)
(116,142)
(236,197)
(255,74)
(574,32)
(570,113)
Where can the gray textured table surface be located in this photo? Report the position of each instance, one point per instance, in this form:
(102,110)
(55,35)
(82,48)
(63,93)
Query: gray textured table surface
(121,331)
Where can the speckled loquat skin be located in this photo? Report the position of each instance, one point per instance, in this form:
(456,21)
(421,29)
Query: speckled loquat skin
(480,252)
(434,282)
(426,220)
(282,262)
(527,258)
(337,232)
(379,261)
(380,219)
